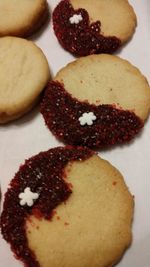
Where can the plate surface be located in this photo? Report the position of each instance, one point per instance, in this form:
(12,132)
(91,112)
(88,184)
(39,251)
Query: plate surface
(28,136)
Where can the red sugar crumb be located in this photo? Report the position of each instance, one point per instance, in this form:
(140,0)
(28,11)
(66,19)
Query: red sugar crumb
(84,38)
(66,223)
(61,113)
(70,185)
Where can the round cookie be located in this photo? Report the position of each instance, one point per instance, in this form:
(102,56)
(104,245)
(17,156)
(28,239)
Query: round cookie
(66,214)
(96,101)
(22,18)
(24,72)
(85,27)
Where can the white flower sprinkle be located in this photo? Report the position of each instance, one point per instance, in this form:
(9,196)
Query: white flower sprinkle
(87,118)
(28,197)
(75,19)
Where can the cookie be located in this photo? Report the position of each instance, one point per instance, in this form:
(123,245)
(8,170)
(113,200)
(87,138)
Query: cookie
(97,101)
(22,18)
(85,27)
(68,207)
(24,72)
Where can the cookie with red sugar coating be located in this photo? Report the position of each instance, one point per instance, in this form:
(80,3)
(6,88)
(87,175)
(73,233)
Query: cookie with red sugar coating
(85,27)
(97,101)
(67,199)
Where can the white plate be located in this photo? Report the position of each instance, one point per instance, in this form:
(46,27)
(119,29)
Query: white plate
(28,136)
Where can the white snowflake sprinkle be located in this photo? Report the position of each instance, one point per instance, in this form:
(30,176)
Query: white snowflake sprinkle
(28,197)
(87,118)
(75,19)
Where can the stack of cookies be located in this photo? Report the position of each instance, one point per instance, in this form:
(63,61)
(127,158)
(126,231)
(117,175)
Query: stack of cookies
(68,207)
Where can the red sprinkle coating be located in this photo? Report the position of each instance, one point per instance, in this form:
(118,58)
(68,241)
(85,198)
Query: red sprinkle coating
(83,38)
(61,113)
(44,174)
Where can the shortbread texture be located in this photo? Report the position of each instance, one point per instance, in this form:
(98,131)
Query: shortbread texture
(24,72)
(93,227)
(22,18)
(117,17)
(107,79)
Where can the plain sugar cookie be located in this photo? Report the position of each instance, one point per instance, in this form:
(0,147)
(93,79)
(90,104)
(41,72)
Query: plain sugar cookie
(70,208)
(97,101)
(24,72)
(22,18)
(86,27)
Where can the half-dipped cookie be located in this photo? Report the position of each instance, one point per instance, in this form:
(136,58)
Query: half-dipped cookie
(85,27)
(97,101)
(67,207)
